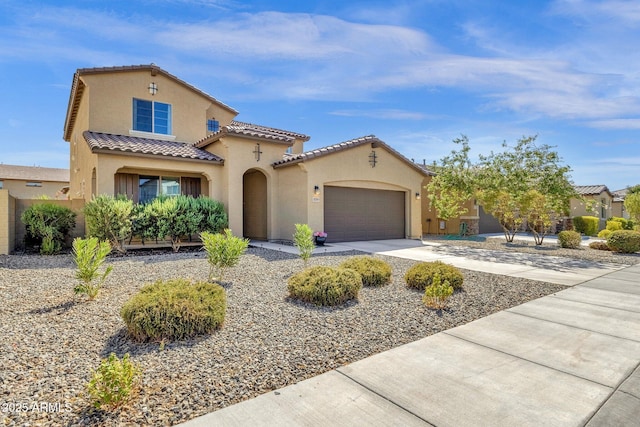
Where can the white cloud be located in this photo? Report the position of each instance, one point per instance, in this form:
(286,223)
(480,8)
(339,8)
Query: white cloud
(389,114)
(616,124)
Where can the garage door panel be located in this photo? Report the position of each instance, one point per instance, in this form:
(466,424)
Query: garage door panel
(352,214)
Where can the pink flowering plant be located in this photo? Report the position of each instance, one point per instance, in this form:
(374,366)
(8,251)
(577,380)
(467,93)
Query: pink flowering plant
(320,234)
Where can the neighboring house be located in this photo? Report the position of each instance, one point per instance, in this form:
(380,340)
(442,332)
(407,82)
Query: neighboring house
(32,182)
(617,206)
(141,132)
(598,202)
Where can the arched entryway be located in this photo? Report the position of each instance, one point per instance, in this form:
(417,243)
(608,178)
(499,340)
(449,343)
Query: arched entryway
(254,204)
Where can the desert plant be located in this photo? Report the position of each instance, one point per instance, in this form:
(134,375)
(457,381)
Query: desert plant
(109,218)
(601,246)
(569,239)
(587,225)
(374,271)
(89,255)
(223,251)
(303,239)
(603,234)
(624,241)
(325,286)
(421,275)
(48,224)
(114,382)
(174,310)
(437,294)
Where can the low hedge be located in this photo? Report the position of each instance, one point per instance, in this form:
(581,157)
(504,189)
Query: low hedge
(421,275)
(374,271)
(325,286)
(587,225)
(624,241)
(175,309)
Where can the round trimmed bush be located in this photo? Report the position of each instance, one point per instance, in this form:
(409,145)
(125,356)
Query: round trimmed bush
(325,285)
(604,234)
(601,246)
(421,275)
(374,271)
(569,239)
(624,241)
(175,309)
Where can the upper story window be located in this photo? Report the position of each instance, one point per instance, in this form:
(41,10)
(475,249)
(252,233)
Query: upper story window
(603,208)
(213,126)
(34,184)
(289,150)
(151,116)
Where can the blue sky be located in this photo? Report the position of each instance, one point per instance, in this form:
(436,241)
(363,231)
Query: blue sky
(416,74)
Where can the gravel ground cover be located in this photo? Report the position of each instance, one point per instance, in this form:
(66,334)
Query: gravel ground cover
(51,342)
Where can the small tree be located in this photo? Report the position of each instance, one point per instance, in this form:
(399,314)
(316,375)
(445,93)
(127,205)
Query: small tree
(223,251)
(303,239)
(89,255)
(632,203)
(114,382)
(452,186)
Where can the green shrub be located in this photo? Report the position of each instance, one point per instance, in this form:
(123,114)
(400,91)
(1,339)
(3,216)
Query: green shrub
(437,294)
(325,285)
(614,225)
(214,218)
(109,219)
(114,382)
(174,310)
(421,275)
(374,271)
(603,234)
(624,241)
(48,225)
(303,239)
(89,255)
(223,251)
(587,225)
(601,246)
(569,239)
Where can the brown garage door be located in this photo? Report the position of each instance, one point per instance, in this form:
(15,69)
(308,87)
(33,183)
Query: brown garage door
(352,214)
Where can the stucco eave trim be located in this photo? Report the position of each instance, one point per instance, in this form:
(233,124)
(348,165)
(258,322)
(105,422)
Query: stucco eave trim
(155,156)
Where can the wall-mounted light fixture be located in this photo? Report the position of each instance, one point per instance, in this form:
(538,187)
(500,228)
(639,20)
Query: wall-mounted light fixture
(257,152)
(316,190)
(417,196)
(373,158)
(153,88)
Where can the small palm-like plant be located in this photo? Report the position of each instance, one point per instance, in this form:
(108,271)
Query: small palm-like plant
(89,255)
(437,294)
(303,239)
(223,251)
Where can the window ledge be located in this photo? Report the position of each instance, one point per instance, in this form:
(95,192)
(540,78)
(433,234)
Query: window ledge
(152,135)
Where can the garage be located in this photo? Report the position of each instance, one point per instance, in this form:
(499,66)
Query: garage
(352,214)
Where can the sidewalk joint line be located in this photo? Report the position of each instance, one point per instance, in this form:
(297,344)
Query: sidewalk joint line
(384,398)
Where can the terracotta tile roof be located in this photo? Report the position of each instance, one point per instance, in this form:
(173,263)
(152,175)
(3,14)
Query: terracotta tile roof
(590,190)
(34,173)
(77,89)
(104,142)
(331,149)
(253,131)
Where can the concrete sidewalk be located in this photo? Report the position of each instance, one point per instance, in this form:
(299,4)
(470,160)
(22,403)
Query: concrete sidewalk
(568,359)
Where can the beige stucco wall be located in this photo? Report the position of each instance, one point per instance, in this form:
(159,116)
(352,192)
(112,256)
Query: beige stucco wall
(579,208)
(111,104)
(348,168)
(7,222)
(18,189)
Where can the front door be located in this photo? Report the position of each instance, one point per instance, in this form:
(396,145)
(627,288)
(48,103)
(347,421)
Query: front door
(254,202)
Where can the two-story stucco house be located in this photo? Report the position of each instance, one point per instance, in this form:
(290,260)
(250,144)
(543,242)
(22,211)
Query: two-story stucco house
(141,131)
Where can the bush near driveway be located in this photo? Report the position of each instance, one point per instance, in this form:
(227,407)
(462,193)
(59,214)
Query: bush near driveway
(325,285)
(421,275)
(374,271)
(624,241)
(569,239)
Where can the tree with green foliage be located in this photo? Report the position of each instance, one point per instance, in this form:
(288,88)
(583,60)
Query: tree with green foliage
(524,184)
(223,251)
(48,224)
(452,186)
(109,219)
(632,203)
